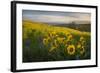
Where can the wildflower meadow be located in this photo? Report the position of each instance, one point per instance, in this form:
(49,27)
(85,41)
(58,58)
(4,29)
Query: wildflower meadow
(43,42)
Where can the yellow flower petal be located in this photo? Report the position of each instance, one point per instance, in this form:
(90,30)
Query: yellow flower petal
(71,49)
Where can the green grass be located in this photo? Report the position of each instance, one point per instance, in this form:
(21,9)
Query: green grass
(57,40)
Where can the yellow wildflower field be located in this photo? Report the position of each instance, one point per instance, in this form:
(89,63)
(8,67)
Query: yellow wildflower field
(44,42)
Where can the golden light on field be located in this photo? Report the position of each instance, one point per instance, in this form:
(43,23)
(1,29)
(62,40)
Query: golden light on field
(58,42)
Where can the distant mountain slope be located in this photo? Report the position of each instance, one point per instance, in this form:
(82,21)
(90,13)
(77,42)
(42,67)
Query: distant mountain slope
(80,27)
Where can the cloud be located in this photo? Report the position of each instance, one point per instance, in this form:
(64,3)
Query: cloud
(55,17)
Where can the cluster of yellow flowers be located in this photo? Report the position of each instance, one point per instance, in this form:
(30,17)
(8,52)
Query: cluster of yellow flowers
(80,45)
(54,40)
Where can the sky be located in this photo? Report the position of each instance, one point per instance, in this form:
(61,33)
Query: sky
(55,17)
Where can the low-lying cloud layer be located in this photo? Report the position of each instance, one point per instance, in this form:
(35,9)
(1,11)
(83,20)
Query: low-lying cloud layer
(56,17)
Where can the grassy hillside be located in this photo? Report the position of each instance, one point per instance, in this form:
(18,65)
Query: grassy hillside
(80,27)
(43,42)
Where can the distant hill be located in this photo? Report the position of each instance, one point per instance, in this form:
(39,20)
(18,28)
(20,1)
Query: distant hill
(78,25)
(81,27)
